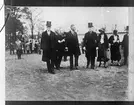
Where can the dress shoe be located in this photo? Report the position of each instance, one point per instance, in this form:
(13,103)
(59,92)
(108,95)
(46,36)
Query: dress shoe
(71,68)
(92,67)
(52,72)
(76,68)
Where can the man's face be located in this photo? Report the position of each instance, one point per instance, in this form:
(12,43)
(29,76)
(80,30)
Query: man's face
(115,33)
(48,28)
(90,29)
(73,28)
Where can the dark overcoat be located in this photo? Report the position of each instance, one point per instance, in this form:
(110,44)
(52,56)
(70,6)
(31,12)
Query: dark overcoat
(90,42)
(48,43)
(71,41)
(125,45)
(60,47)
(115,48)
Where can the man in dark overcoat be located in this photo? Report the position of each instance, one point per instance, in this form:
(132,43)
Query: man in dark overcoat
(90,44)
(48,42)
(125,45)
(72,44)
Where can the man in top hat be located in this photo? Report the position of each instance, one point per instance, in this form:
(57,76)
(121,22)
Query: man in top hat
(125,45)
(48,42)
(90,44)
(72,45)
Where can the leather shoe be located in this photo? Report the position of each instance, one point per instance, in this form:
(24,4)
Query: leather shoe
(52,72)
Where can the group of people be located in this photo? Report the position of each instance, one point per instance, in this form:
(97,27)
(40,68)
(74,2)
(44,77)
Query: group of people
(29,47)
(55,45)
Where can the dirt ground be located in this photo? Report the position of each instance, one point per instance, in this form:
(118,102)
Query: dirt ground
(28,79)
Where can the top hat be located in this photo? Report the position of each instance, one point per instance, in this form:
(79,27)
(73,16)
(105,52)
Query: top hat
(127,28)
(90,25)
(48,24)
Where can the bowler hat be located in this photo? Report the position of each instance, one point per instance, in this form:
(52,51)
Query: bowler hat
(48,24)
(90,25)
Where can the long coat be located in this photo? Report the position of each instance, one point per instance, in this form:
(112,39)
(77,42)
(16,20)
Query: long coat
(48,43)
(60,46)
(125,45)
(102,47)
(115,48)
(90,42)
(72,43)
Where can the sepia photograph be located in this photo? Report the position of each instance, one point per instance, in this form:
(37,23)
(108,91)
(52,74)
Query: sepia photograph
(66,53)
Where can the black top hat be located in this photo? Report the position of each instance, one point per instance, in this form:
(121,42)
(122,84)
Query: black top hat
(90,25)
(48,24)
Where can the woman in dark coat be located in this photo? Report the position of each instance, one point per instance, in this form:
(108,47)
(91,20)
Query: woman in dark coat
(115,47)
(103,45)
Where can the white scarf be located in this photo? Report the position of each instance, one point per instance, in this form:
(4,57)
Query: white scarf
(102,39)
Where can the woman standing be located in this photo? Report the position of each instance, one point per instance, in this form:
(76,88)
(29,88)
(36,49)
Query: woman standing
(102,47)
(115,47)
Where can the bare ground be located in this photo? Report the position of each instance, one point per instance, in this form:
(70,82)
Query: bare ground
(28,79)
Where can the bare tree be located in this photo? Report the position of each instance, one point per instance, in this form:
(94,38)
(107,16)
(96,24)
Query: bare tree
(33,20)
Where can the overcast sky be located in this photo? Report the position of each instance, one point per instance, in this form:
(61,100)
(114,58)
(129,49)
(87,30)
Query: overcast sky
(80,16)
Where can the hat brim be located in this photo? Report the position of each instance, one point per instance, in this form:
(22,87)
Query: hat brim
(48,25)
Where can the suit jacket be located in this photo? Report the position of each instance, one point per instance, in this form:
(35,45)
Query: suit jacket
(90,40)
(60,46)
(72,43)
(47,42)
